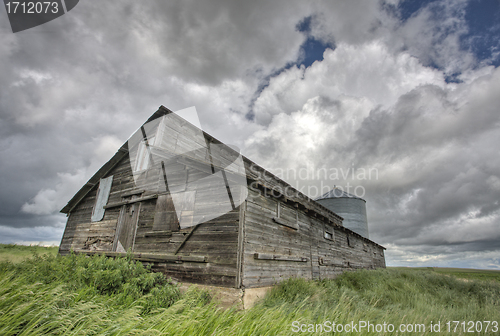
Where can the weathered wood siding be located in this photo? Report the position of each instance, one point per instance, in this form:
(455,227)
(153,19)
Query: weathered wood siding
(81,233)
(215,240)
(275,234)
(284,236)
(347,251)
(265,236)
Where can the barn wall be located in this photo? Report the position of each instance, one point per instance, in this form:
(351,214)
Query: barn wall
(347,251)
(268,238)
(80,232)
(274,251)
(215,241)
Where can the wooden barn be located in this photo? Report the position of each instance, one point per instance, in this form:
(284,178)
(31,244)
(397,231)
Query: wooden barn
(198,211)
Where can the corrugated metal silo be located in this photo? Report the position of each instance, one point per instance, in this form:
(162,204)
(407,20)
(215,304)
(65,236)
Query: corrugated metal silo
(350,207)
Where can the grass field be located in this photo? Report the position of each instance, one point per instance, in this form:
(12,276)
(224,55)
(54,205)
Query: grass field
(460,273)
(78,295)
(18,253)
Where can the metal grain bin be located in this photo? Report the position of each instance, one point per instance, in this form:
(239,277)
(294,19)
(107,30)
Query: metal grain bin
(350,207)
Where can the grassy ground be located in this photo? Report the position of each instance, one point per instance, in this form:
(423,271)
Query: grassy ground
(18,253)
(78,295)
(460,273)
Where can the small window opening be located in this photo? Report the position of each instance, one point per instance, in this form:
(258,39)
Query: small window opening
(328,233)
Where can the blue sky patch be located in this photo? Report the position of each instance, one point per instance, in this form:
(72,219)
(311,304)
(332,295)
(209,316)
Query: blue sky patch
(310,51)
(304,26)
(483,39)
(482,18)
(408,8)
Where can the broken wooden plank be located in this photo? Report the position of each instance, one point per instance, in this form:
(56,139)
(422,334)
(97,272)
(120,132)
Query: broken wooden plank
(286,223)
(279,257)
(150,257)
(145,198)
(186,238)
(167,233)
(132,192)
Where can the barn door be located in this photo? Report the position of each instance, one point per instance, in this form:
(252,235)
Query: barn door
(126,227)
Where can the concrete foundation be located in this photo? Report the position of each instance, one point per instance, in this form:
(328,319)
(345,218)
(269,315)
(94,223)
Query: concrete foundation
(231,297)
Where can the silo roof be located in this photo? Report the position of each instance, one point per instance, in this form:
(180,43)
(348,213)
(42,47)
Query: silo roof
(337,193)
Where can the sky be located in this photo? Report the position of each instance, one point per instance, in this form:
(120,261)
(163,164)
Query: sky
(397,100)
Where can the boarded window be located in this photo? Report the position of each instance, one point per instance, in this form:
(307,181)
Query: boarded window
(288,213)
(286,216)
(101,198)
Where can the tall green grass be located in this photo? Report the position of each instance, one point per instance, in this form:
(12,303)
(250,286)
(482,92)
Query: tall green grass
(461,273)
(77,295)
(17,253)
